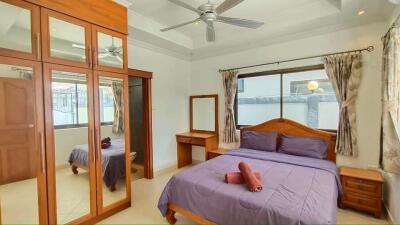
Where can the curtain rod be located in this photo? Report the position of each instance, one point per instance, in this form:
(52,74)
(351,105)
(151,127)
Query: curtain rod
(369,49)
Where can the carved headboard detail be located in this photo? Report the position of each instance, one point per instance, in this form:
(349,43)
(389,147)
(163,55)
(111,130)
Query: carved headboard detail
(289,127)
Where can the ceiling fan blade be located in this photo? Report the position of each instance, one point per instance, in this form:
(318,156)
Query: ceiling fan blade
(240,22)
(78,46)
(180,25)
(184,5)
(119,58)
(210,32)
(227,5)
(103,55)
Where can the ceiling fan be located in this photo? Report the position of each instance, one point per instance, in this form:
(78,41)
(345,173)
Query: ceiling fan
(112,51)
(210,13)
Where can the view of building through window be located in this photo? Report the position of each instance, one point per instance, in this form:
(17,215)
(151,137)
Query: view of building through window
(70,103)
(307,97)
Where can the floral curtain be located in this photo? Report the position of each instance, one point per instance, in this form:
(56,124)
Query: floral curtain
(344,71)
(118,125)
(390,127)
(230,86)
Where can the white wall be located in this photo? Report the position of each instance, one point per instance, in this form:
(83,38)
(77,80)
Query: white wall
(392,187)
(170,97)
(206,80)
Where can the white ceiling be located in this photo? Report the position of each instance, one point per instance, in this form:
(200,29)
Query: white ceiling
(282,18)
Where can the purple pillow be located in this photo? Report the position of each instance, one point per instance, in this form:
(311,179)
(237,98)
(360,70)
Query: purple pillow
(302,146)
(263,141)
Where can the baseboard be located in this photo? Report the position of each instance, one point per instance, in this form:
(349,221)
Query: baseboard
(166,169)
(389,215)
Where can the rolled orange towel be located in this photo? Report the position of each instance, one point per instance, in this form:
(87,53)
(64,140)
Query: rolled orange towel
(251,180)
(237,178)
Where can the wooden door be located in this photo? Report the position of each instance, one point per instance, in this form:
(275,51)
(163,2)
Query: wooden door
(110,50)
(20,29)
(22,150)
(70,144)
(66,40)
(113,164)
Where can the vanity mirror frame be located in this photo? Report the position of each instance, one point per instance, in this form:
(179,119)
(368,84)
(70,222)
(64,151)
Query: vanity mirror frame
(216,126)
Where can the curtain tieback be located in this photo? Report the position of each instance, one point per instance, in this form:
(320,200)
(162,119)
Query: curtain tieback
(389,106)
(345,104)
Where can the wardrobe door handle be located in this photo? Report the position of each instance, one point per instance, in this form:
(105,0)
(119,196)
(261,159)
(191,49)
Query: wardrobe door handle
(43,152)
(95,58)
(92,138)
(38,45)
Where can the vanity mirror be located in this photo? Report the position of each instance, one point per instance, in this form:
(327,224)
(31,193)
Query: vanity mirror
(204,113)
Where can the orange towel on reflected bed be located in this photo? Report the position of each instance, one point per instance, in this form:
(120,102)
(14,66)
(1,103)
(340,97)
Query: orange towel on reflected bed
(237,178)
(251,180)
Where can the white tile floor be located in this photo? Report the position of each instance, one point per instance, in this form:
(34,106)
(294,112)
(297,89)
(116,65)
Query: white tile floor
(19,204)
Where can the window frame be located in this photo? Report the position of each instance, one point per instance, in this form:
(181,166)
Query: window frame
(279,72)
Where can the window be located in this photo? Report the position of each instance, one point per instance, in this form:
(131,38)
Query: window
(70,101)
(240,87)
(304,95)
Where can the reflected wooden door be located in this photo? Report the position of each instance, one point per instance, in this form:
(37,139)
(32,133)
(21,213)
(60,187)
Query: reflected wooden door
(22,150)
(17,122)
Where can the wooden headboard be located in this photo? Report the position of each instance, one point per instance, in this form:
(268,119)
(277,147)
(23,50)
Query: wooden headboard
(292,128)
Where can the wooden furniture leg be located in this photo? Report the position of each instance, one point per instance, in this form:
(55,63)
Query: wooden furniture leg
(112,187)
(171,216)
(184,154)
(74,169)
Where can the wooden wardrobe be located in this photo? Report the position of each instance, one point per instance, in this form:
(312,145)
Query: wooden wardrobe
(63,89)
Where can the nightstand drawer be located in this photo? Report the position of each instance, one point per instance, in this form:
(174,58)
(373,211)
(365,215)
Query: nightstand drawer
(361,201)
(211,155)
(362,186)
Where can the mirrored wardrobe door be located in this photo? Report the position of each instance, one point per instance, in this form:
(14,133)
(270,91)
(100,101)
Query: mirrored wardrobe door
(66,40)
(19,29)
(110,50)
(70,140)
(22,149)
(113,152)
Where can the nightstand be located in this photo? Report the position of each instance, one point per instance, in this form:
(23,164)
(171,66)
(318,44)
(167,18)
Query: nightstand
(362,190)
(215,153)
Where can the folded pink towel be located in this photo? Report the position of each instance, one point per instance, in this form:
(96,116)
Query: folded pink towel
(237,178)
(251,180)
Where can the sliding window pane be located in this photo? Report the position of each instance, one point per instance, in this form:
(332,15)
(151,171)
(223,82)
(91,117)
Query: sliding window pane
(308,98)
(258,99)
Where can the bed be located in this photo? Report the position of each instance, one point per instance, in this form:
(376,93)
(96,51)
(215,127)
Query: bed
(296,190)
(113,161)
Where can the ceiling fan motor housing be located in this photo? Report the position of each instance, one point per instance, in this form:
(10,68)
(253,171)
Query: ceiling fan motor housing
(209,13)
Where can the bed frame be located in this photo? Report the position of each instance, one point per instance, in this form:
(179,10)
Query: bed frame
(75,166)
(281,126)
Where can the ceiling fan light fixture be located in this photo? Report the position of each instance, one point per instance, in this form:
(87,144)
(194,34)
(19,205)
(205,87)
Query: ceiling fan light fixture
(361,12)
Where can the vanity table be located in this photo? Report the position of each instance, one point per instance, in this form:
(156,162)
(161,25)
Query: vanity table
(203,128)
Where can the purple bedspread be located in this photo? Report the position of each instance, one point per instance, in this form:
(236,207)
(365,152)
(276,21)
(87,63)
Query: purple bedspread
(113,160)
(296,190)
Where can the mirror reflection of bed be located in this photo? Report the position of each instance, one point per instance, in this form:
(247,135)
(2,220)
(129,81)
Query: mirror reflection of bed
(70,110)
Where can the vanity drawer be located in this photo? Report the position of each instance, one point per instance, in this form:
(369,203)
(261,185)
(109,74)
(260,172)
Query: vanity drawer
(197,141)
(184,139)
(362,186)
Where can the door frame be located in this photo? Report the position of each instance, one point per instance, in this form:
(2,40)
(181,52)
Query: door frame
(50,142)
(39,133)
(147,119)
(102,210)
